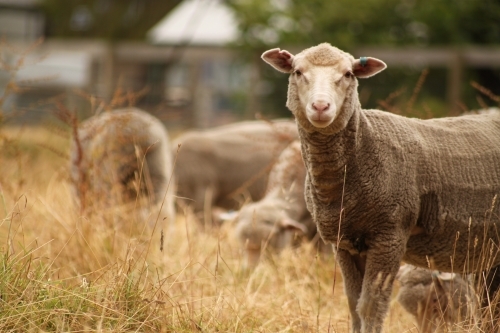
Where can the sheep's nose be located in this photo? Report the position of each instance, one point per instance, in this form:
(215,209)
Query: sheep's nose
(320,106)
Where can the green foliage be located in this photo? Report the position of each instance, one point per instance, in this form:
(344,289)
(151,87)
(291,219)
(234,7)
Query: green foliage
(124,19)
(32,302)
(459,22)
(349,23)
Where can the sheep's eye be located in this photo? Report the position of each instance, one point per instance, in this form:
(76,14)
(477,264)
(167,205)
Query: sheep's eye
(348,75)
(297,72)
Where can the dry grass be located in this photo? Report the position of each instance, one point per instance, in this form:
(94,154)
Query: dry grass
(61,271)
(66,272)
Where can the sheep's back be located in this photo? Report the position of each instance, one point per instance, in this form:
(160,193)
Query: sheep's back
(454,161)
(112,146)
(230,157)
(289,170)
(442,174)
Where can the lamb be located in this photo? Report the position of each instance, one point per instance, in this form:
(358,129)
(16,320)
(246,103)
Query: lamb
(437,300)
(385,188)
(119,154)
(214,167)
(274,220)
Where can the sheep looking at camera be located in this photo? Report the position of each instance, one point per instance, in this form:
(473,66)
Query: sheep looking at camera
(120,155)
(437,300)
(385,188)
(274,220)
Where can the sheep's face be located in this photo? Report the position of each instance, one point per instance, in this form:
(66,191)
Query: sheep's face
(321,79)
(261,225)
(321,90)
(432,296)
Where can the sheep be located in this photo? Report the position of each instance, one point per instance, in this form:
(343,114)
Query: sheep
(383,188)
(214,166)
(437,300)
(108,153)
(274,220)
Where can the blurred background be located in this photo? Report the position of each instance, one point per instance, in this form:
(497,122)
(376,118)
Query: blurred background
(196,63)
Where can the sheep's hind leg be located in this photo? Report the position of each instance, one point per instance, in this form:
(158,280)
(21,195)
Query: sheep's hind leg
(382,265)
(352,268)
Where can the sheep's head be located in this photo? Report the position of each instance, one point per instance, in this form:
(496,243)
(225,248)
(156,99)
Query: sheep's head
(321,79)
(263,225)
(409,275)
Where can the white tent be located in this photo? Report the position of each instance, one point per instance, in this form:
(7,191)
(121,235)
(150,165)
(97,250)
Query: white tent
(196,22)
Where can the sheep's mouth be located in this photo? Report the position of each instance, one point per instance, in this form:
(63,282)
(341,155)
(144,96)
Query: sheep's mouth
(320,121)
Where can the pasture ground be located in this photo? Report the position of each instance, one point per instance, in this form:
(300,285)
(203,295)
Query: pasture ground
(63,272)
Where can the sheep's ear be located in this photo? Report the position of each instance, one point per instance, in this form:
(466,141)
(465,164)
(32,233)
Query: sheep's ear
(287,223)
(279,59)
(366,66)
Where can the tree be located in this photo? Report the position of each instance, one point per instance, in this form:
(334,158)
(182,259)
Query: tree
(107,19)
(348,24)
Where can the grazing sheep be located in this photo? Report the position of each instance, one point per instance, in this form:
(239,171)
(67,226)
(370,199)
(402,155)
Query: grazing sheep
(385,188)
(436,300)
(274,220)
(214,166)
(109,153)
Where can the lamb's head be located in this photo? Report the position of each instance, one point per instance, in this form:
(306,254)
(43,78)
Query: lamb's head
(264,225)
(409,275)
(322,84)
(435,298)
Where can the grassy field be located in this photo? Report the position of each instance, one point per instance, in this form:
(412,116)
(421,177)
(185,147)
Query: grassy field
(107,272)
(69,273)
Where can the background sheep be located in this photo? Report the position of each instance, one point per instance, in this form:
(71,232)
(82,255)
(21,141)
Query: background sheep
(118,155)
(217,166)
(274,220)
(384,188)
(436,300)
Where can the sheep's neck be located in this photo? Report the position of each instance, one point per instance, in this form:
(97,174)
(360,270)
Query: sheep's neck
(326,157)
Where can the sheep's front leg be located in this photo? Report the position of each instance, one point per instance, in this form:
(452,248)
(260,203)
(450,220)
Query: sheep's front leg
(352,268)
(382,264)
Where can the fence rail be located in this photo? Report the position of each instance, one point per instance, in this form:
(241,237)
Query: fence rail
(105,57)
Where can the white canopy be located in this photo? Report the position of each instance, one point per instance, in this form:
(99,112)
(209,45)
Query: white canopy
(196,22)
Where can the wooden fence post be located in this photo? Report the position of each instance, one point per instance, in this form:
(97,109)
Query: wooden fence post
(455,78)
